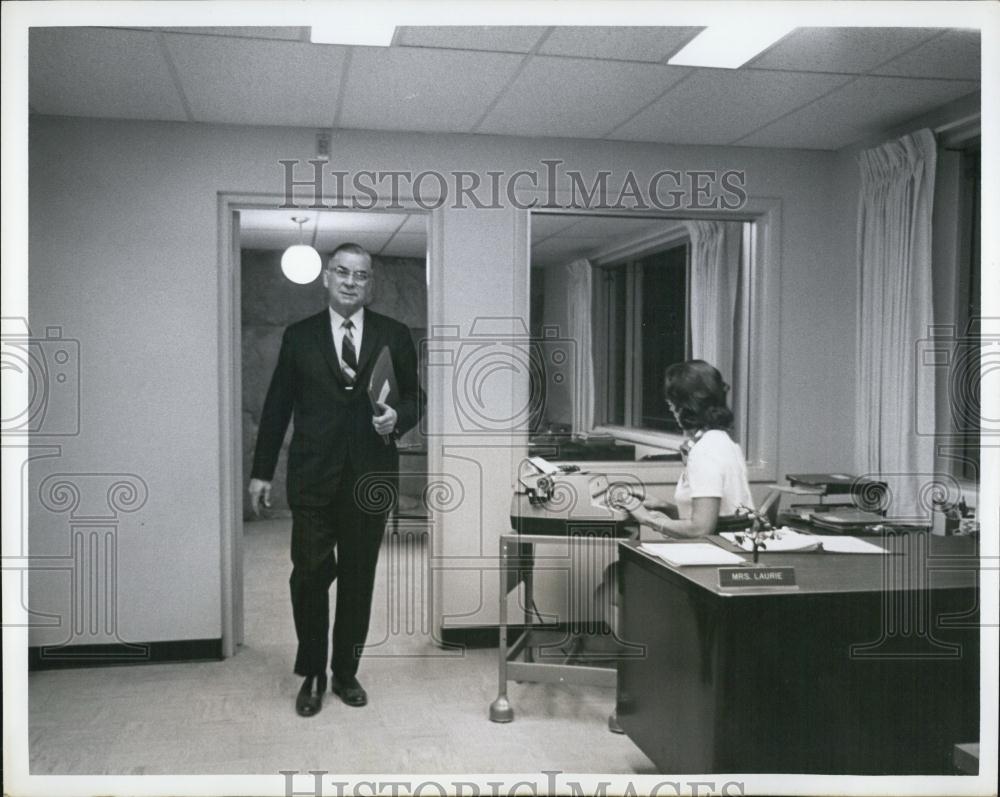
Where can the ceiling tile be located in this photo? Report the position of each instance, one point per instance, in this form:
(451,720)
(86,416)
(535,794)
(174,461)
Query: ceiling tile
(614,227)
(625,44)
(717,106)
(260,219)
(853,50)
(504,39)
(342,222)
(955,54)
(862,108)
(563,250)
(809,128)
(327,241)
(406,245)
(267,239)
(576,98)
(545,225)
(257,81)
(116,74)
(424,90)
(415,223)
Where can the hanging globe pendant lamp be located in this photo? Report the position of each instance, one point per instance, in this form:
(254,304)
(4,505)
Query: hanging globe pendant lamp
(301,263)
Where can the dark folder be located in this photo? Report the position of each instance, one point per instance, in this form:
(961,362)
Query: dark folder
(831,483)
(867,493)
(382,385)
(846,520)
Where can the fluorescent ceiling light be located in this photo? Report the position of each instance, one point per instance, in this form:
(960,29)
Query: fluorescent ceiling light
(368,34)
(728,46)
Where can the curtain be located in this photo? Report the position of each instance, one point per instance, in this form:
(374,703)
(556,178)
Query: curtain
(718,276)
(579,276)
(895,392)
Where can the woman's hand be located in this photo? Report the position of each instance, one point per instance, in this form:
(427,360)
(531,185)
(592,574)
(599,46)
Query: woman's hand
(669,508)
(701,522)
(630,502)
(652,518)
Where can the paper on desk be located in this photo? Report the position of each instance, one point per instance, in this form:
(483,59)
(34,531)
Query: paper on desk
(788,540)
(694,553)
(836,543)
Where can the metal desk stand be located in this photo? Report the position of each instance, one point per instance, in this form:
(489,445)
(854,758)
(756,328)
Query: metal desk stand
(516,566)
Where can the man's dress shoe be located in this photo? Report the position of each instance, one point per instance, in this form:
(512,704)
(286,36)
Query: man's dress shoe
(350,691)
(310,697)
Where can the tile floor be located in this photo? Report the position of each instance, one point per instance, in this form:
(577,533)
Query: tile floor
(427,709)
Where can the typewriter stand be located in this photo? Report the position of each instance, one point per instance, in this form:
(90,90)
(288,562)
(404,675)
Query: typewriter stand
(517,658)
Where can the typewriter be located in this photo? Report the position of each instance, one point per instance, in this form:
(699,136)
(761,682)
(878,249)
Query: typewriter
(566,501)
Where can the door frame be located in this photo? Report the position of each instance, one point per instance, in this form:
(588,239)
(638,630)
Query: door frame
(231,476)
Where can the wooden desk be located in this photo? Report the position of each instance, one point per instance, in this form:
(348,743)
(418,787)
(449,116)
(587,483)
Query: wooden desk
(870,667)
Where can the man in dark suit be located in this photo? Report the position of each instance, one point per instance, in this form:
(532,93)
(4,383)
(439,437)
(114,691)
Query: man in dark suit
(341,464)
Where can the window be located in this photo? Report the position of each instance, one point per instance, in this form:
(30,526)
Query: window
(640,309)
(632,295)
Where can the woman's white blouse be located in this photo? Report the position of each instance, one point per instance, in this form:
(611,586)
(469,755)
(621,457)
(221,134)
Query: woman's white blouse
(716,468)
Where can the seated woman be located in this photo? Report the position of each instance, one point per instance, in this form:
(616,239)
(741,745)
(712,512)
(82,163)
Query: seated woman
(714,480)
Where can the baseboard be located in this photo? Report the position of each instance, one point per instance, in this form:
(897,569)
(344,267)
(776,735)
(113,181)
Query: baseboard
(57,657)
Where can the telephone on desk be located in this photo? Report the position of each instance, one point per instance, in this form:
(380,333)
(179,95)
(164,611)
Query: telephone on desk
(564,500)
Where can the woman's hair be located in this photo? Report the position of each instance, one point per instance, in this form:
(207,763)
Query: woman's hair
(697,391)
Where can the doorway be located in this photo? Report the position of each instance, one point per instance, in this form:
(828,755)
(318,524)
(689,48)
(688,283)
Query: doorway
(257,301)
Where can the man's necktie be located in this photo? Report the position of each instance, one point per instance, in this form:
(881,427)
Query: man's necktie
(348,354)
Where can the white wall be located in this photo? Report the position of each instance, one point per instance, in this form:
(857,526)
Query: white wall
(123,257)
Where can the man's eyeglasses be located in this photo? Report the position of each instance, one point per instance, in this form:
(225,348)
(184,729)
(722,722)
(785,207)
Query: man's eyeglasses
(342,274)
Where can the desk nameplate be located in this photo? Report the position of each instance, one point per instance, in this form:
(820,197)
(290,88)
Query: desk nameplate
(757,577)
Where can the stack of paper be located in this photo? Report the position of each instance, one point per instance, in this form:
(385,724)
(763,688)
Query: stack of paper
(786,540)
(680,554)
(837,543)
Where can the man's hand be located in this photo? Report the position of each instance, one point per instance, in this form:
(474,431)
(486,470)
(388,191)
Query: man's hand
(260,490)
(386,422)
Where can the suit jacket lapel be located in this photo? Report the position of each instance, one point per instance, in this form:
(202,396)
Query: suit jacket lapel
(371,340)
(324,336)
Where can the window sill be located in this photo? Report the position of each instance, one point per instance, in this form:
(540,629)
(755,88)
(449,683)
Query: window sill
(664,440)
(757,472)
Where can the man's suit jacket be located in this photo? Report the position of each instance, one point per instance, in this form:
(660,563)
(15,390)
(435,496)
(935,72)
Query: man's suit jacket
(333,425)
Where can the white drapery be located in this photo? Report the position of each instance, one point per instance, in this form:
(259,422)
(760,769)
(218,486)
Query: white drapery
(579,275)
(895,391)
(718,331)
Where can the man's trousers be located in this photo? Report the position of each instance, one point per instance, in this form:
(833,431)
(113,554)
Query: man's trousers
(339,541)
